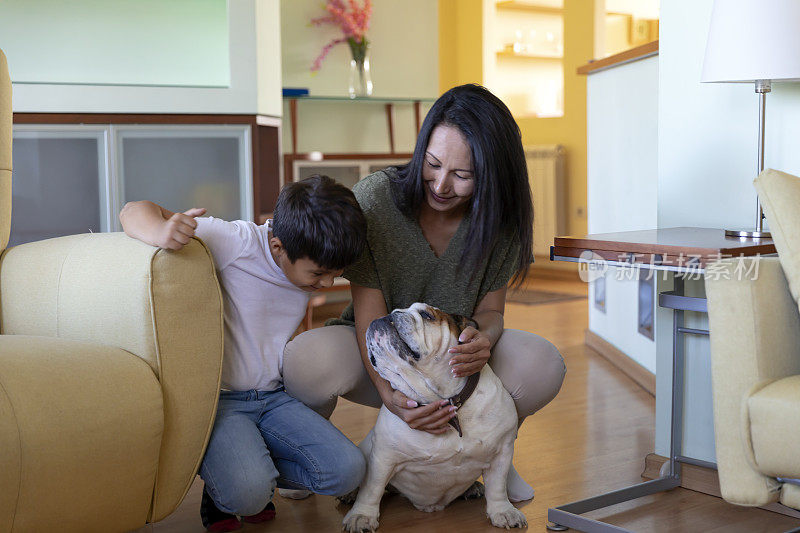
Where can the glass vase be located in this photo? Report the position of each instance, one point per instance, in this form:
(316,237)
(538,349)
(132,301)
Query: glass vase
(360,78)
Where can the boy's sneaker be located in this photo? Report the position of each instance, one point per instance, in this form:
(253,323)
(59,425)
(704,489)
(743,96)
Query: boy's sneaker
(214,519)
(295,494)
(268,513)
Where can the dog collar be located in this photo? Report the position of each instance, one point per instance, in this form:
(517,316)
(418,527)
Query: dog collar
(459,399)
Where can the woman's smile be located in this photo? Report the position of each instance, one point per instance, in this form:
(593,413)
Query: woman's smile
(437,198)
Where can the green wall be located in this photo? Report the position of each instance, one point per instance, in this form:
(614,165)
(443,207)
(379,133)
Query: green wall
(119,42)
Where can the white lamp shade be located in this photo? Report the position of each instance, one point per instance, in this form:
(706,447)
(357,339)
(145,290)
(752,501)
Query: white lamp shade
(753,40)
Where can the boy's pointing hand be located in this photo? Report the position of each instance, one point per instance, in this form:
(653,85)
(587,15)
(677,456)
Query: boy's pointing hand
(195,212)
(179,229)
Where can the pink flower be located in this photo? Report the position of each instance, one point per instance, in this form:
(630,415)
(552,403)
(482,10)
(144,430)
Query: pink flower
(327,48)
(352,18)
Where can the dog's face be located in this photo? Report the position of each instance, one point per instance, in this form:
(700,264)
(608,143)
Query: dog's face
(409,347)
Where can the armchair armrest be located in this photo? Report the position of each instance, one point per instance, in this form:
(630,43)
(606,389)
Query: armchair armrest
(755,339)
(160,305)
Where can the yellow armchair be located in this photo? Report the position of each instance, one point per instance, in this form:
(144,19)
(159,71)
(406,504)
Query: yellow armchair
(755,373)
(110,362)
(755,359)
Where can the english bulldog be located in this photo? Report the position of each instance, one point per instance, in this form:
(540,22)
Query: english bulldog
(409,348)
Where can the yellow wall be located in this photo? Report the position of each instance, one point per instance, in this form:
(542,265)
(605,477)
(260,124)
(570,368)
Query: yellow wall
(460,42)
(618,35)
(570,130)
(460,61)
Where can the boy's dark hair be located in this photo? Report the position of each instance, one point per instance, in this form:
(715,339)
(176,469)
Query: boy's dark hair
(320,219)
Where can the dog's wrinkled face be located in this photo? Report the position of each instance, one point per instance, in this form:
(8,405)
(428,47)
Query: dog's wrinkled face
(409,347)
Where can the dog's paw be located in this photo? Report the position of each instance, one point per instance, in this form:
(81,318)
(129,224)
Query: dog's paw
(355,522)
(474,492)
(507,517)
(349,498)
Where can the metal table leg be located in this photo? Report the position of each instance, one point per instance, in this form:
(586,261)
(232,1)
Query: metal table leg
(569,515)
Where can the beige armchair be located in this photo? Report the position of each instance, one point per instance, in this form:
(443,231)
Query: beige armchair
(110,361)
(755,353)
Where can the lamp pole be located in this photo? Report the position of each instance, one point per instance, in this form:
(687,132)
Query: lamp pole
(762,88)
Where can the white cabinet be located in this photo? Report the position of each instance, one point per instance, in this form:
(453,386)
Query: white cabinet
(71,179)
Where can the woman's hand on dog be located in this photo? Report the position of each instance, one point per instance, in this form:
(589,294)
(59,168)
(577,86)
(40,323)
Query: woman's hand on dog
(472,354)
(432,418)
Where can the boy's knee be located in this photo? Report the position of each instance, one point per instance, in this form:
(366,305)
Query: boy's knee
(353,466)
(346,474)
(248,497)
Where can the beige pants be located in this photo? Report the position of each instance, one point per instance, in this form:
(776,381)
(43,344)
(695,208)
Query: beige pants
(324,363)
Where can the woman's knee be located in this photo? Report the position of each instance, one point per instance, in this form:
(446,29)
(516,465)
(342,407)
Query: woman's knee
(530,367)
(318,366)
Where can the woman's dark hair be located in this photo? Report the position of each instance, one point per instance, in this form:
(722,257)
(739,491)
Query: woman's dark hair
(501,203)
(320,219)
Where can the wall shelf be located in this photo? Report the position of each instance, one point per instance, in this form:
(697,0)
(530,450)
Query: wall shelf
(365,99)
(530,8)
(514,55)
(529,80)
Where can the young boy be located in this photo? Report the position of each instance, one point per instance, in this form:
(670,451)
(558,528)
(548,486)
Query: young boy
(262,437)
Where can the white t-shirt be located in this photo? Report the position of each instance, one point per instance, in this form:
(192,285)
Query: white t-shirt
(262,307)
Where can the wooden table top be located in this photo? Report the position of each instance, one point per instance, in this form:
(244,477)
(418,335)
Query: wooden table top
(667,246)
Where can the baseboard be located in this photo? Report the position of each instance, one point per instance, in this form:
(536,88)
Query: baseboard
(542,267)
(643,377)
(701,479)
(693,477)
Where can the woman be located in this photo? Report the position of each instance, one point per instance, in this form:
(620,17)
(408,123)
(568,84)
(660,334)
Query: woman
(452,228)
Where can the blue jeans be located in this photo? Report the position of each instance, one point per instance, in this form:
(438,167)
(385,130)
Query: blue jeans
(264,439)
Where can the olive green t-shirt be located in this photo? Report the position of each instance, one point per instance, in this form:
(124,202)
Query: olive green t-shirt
(399,261)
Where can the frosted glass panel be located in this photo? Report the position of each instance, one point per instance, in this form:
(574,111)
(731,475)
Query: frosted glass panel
(119,42)
(180,172)
(55,188)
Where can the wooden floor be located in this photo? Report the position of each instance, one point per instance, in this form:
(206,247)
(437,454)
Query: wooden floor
(591,439)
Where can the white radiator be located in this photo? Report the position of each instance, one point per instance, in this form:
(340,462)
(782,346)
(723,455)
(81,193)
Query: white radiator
(547,179)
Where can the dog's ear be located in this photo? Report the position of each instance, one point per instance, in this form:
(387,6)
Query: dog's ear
(463,322)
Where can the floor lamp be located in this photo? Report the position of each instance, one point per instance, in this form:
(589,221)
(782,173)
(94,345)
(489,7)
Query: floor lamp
(754,41)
